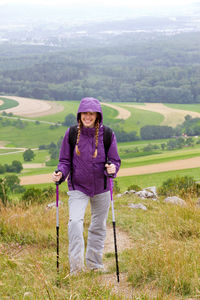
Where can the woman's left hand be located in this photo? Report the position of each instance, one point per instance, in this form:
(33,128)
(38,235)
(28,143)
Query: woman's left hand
(111,169)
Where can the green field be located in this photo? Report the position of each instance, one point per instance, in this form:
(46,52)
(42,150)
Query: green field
(7,103)
(165,156)
(155,179)
(191,107)
(33,135)
(140,118)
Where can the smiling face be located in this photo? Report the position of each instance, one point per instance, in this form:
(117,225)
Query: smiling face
(88,119)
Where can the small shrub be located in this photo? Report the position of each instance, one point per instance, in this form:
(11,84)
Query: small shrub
(48,192)
(12,182)
(184,187)
(4,191)
(134,187)
(70,120)
(32,195)
(2,169)
(35,195)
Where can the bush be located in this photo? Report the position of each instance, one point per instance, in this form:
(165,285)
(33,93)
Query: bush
(36,195)
(32,195)
(184,187)
(12,182)
(17,166)
(70,120)
(2,169)
(134,187)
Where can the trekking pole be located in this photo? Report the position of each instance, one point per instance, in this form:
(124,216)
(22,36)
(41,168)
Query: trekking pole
(57,223)
(114,228)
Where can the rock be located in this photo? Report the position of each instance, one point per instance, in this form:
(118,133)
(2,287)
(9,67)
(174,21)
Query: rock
(118,195)
(138,206)
(132,191)
(125,193)
(149,192)
(129,192)
(175,200)
(152,189)
(144,194)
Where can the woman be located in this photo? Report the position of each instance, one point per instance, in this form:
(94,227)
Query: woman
(87,183)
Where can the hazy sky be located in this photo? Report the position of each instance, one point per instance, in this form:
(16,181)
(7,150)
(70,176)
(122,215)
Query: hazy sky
(131,3)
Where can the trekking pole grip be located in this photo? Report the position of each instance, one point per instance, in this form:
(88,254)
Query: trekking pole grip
(57,182)
(109,163)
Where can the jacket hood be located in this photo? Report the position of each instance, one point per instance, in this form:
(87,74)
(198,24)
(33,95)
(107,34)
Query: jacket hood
(90,105)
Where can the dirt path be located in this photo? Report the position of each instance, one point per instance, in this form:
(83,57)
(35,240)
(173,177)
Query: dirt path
(162,167)
(149,169)
(1,102)
(172,117)
(34,166)
(123,241)
(33,107)
(122,112)
(110,280)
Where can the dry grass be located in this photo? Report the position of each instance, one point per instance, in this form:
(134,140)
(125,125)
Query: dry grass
(163,261)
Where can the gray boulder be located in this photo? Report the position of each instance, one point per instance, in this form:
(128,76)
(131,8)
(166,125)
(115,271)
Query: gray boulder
(175,200)
(138,206)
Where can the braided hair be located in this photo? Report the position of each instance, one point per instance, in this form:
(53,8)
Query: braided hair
(80,125)
(96,137)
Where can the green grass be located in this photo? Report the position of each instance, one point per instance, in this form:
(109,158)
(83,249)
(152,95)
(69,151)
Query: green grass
(32,135)
(40,157)
(140,118)
(165,250)
(165,156)
(145,180)
(155,179)
(36,171)
(189,107)
(71,107)
(8,103)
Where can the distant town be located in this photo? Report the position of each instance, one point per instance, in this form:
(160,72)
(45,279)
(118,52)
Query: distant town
(27,29)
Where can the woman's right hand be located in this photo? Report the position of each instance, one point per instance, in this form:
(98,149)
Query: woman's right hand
(56,176)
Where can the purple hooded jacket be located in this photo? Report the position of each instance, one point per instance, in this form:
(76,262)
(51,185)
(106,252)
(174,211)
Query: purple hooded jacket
(88,172)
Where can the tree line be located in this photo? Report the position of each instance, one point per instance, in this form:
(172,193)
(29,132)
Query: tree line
(163,70)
